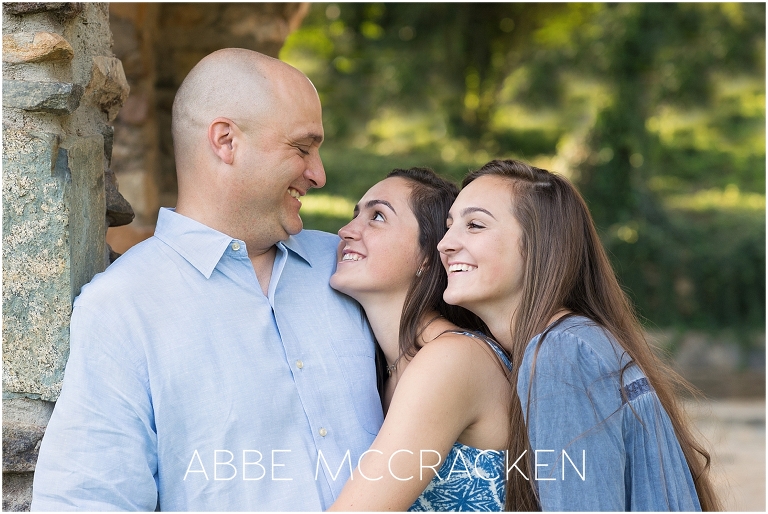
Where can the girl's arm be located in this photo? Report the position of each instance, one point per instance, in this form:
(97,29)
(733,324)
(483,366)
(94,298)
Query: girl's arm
(434,402)
(574,424)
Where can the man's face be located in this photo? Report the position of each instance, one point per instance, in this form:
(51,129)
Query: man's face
(281,162)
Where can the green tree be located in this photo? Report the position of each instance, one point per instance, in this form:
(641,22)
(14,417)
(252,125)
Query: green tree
(656,111)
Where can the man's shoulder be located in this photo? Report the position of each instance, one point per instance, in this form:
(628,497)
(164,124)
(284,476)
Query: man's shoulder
(317,247)
(137,268)
(317,239)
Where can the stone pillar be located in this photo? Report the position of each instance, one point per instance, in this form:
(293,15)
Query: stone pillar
(61,88)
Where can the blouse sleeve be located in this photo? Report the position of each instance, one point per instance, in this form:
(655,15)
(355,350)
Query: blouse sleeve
(572,408)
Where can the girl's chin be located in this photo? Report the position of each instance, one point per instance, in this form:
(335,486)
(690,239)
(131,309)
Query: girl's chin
(452,298)
(338,284)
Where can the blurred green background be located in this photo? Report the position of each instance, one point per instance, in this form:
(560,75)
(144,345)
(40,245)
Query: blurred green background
(656,112)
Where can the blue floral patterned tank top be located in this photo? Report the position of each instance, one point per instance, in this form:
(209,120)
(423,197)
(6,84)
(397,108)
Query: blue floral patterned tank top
(469,479)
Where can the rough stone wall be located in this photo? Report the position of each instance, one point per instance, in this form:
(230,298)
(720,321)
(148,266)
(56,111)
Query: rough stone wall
(61,88)
(158,45)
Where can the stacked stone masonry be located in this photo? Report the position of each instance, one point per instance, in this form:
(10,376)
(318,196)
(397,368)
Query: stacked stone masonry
(62,87)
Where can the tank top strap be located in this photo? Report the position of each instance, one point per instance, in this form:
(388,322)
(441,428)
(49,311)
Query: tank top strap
(496,347)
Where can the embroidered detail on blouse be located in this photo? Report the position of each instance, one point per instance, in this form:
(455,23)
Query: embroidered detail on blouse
(635,389)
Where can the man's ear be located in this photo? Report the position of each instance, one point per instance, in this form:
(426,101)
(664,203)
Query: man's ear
(221,137)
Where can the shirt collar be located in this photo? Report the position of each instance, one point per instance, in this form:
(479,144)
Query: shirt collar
(201,245)
(294,245)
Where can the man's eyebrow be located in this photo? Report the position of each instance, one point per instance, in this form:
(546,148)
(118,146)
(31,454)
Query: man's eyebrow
(470,210)
(317,138)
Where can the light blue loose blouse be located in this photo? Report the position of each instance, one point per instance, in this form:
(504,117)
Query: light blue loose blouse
(594,448)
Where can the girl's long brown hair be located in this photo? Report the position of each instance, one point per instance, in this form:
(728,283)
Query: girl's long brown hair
(430,200)
(566,267)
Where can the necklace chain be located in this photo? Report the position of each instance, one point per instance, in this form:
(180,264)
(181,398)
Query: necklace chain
(391,367)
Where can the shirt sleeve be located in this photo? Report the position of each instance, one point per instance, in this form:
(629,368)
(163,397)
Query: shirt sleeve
(99,451)
(574,424)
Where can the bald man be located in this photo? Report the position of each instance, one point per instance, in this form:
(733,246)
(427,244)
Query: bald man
(211,366)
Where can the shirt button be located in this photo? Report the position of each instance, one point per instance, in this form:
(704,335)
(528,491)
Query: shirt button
(299,364)
(235,246)
(323,432)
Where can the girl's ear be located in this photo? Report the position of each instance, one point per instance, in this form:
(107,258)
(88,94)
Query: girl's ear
(422,268)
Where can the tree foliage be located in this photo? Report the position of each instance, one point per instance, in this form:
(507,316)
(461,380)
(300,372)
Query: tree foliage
(656,111)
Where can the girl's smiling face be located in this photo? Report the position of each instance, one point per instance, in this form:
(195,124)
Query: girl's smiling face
(379,251)
(482,249)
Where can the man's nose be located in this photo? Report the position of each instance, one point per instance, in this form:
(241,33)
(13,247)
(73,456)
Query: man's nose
(315,171)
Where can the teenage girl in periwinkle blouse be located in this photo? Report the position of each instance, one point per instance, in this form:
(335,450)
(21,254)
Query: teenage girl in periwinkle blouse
(446,397)
(596,418)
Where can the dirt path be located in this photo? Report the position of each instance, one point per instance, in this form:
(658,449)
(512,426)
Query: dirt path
(735,431)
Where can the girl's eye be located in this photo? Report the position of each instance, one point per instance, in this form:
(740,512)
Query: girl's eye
(378,216)
(473,225)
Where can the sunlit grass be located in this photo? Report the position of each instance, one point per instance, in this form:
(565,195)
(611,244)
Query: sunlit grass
(674,126)
(733,124)
(728,199)
(393,131)
(326,212)
(516,116)
(747,93)
(327,206)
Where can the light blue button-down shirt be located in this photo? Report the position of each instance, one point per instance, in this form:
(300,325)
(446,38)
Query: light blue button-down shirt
(189,389)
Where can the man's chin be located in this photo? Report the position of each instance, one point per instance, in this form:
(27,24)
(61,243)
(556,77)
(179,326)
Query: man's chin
(294,227)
